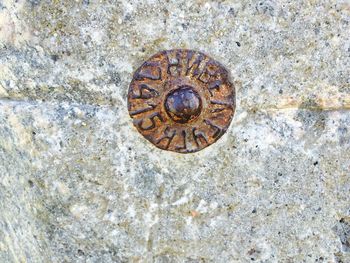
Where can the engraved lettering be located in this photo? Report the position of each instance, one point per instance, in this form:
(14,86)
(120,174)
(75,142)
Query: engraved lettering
(174,65)
(168,136)
(184,146)
(206,75)
(217,130)
(215,85)
(194,66)
(145,92)
(199,137)
(212,69)
(136,112)
(151,118)
(223,106)
(149,70)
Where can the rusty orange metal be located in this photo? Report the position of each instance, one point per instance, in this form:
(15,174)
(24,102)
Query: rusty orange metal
(181,100)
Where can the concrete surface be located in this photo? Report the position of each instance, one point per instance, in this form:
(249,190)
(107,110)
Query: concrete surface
(79,184)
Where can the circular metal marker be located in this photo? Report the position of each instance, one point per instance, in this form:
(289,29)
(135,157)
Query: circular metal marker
(181,100)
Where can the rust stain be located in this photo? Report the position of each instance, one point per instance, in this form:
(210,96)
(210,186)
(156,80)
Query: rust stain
(194,213)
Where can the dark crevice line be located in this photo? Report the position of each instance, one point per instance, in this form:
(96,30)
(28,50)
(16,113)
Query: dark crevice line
(252,110)
(4,100)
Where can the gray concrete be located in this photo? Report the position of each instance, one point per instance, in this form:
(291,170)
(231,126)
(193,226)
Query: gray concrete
(78,183)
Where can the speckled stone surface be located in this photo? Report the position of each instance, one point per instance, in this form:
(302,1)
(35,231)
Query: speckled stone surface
(78,183)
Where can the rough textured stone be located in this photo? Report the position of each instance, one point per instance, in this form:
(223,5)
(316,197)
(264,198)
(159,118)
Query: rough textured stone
(79,184)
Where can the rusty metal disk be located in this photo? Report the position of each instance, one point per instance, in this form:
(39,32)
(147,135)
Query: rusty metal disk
(181,100)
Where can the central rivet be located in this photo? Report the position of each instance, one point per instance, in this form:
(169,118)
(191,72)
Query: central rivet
(183,104)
